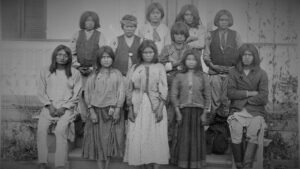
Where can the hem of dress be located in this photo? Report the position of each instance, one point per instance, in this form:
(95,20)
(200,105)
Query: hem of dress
(189,164)
(138,164)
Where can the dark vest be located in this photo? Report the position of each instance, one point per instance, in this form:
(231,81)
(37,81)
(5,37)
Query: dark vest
(122,53)
(87,49)
(228,56)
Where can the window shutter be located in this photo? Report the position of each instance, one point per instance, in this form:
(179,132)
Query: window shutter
(11,19)
(34,25)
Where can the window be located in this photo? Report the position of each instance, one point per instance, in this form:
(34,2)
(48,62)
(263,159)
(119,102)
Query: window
(23,19)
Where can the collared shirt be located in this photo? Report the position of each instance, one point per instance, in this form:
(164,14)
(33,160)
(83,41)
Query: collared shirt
(57,89)
(146,32)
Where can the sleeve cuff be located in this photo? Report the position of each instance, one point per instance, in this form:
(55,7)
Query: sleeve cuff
(168,66)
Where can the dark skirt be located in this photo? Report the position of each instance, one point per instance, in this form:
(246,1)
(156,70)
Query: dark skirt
(103,139)
(188,149)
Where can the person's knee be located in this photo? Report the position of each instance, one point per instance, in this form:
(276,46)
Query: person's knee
(254,129)
(252,136)
(235,126)
(236,131)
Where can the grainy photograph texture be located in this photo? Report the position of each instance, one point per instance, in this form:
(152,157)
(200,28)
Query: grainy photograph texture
(166,84)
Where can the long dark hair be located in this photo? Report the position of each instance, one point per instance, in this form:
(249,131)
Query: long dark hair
(151,7)
(99,56)
(221,13)
(67,66)
(195,13)
(251,48)
(179,28)
(145,44)
(84,17)
(197,55)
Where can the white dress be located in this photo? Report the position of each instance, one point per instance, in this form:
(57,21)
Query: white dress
(147,141)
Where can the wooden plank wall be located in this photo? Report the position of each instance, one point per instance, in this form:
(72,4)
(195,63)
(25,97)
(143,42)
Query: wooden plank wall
(269,24)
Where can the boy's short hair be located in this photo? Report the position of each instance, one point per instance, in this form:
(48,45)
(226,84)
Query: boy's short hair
(179,28)
(221,13)
(84,17)
(151,7)
(128,19)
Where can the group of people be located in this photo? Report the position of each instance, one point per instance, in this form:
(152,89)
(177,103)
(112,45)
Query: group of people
(145,97)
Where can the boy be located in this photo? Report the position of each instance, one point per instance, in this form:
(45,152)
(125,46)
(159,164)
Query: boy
(126,45)
(220,56)
(58,89)
(248,92)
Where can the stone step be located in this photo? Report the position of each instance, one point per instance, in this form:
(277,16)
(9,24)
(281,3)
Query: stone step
(77,162)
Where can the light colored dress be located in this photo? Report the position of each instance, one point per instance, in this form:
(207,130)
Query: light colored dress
(146,32)
(147,141)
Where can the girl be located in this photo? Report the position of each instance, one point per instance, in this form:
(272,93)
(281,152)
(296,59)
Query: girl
(189,14)
(104,95)
(190,95)
(171,57)
(58,89)
(84,45)
(147,141)
(154,29)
